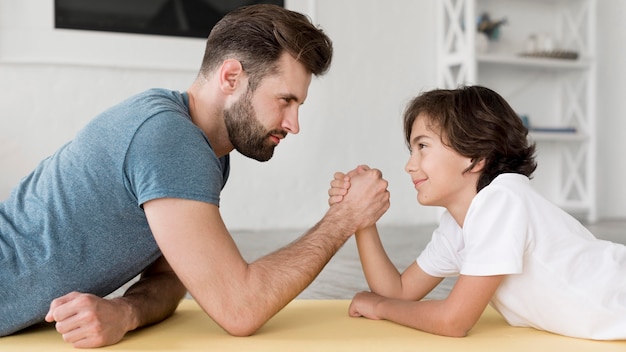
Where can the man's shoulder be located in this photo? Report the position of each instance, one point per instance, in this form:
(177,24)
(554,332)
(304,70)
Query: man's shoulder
(134,111)
(158,99)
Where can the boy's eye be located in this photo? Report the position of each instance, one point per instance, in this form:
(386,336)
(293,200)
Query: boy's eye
(416,147)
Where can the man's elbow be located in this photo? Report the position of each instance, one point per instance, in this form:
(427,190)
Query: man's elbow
(241,331)
(241,326)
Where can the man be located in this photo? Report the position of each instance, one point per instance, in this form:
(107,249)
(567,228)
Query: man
(137,191)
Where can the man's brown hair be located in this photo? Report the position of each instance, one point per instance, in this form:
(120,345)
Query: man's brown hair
(257,35)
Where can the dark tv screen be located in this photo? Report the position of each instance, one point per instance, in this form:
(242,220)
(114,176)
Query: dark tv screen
(185,18)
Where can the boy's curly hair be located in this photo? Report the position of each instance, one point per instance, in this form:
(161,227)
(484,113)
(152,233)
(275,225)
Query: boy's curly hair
(479,124)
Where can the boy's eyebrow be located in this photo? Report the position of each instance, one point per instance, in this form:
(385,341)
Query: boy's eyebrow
(416,139)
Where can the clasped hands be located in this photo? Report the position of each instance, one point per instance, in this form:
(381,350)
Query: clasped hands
(364,191)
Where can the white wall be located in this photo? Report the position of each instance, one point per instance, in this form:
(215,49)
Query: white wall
(611,108)
(53,81)
(352,116)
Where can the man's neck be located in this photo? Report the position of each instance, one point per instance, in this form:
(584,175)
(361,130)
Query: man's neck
(206,110)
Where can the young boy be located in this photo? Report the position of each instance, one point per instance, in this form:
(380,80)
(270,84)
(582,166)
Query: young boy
(510,247)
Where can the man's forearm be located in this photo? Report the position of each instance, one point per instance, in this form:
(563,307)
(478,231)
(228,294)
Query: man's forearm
(303,259)
(153,298)
(272,281)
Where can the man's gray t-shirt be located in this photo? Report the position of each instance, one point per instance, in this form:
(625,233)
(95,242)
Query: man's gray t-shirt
(76,223)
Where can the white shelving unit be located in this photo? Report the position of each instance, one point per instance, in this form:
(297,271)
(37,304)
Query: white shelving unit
(551,92)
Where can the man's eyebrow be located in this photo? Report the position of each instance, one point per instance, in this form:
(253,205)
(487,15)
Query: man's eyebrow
(293,97)
(290,96)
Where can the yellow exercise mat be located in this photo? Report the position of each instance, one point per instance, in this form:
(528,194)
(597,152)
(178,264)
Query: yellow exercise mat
(315,325)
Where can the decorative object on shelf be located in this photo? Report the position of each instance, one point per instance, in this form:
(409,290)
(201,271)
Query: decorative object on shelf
(482,43)
(565,129)
(484,24)
(546,129)
(542,45)
(486,31)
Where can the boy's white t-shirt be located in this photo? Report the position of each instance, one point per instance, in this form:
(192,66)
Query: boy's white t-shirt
(560,278)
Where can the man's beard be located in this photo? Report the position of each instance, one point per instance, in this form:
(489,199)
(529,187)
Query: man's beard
(246,133)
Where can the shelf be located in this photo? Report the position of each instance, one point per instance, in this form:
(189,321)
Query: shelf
(555,87)
(539,62)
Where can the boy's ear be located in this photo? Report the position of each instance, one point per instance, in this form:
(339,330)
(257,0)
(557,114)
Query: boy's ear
(479,167)
(231,73)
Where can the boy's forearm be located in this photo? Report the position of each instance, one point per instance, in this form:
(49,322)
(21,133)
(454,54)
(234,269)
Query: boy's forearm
(429,316)
(381,274)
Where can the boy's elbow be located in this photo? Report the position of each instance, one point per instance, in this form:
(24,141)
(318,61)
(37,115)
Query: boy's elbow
(455,333)
(454,327)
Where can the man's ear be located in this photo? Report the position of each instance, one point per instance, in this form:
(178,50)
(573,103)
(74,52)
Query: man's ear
(231,74)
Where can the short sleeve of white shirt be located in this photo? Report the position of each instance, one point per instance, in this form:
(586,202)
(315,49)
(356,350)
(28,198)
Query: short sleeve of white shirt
(440,258)
(491,242)
(495,233)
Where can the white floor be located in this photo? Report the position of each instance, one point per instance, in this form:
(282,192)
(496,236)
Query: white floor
(343,276)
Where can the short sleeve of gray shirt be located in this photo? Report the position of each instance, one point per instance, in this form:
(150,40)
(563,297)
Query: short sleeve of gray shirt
(167,158)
